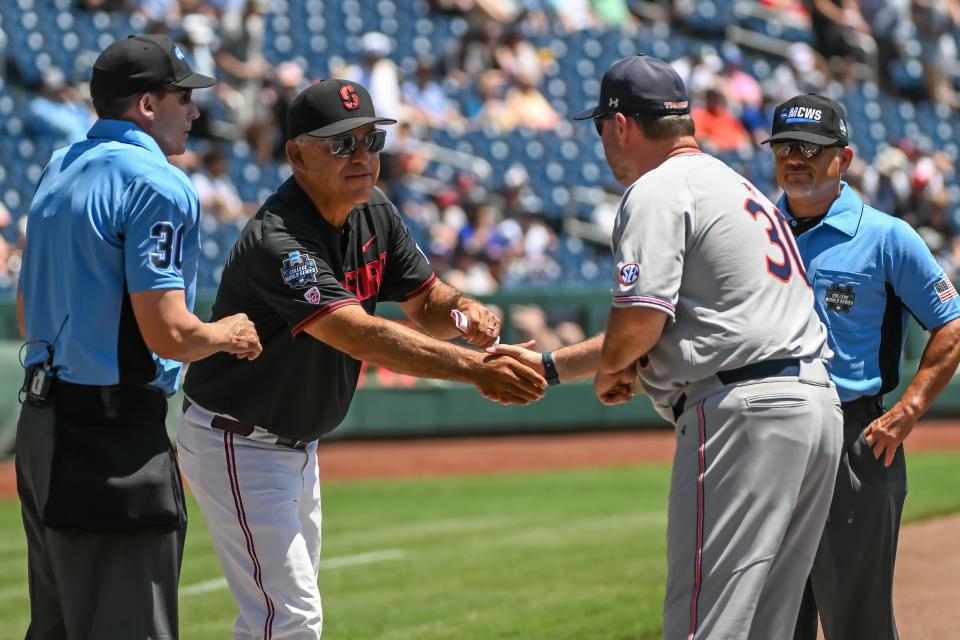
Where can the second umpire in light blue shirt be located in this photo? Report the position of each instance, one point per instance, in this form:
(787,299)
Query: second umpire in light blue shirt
(104,302)
(869,272)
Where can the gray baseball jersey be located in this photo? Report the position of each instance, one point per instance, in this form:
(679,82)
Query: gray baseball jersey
(696,240)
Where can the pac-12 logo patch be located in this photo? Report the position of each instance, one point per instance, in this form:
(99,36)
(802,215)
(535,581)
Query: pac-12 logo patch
(312,295)
(629,273)
(299,270)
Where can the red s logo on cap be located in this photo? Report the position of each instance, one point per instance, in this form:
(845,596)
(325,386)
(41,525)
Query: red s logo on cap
(350,98)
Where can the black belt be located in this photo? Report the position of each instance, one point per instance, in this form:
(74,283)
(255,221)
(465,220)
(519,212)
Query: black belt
(83,403)
(784,367)
(230,425)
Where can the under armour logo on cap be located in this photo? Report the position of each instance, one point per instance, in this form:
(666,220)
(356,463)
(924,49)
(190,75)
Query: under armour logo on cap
(639,85)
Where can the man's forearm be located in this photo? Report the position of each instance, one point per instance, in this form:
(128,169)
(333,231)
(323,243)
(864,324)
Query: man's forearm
(579,360)
(440,301)
(404,350)
(937,365)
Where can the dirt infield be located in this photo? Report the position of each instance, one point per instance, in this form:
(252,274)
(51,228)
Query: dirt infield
(927,565)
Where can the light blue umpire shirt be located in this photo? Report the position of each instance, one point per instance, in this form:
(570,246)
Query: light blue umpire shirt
(111,216)
(868,271)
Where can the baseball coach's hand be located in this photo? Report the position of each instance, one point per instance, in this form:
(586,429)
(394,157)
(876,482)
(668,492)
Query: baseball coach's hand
(508,381)
(617,387)
(241,336)
(483,326)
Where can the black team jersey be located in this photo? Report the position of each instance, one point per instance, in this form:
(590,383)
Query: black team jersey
(288,268)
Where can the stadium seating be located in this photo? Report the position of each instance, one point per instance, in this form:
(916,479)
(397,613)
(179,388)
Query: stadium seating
(37,34)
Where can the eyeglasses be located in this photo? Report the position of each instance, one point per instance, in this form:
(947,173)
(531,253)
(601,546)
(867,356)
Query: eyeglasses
(346,146)
(598,122)
(807,149)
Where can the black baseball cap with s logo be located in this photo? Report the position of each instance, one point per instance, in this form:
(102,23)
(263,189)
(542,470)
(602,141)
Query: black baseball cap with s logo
(640,84)
(141,64)
(330,108)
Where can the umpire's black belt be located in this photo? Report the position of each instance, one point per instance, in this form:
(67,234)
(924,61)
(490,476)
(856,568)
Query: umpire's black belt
(230,425)
(786,367)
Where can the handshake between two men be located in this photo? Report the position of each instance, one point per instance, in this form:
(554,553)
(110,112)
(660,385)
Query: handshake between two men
(577,361)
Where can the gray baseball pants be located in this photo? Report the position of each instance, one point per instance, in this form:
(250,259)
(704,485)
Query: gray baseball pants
(752,481)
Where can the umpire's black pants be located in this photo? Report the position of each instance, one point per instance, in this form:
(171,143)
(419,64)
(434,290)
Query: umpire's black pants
(90,585)
(851,583)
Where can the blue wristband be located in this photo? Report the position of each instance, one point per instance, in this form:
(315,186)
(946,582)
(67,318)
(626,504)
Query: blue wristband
(550,368)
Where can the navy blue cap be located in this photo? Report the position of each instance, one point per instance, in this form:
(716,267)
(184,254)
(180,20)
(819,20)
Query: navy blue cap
(810,118)
(640,85)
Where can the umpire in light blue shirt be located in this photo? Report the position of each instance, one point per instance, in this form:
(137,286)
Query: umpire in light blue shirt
(869,272)
(104,302)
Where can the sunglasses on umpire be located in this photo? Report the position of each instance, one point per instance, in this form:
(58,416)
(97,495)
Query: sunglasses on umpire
(807,149)
(346,146)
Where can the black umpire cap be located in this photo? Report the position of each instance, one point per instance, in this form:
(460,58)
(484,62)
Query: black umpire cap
(810,118)
(637,85)
(139,64)
(331,107)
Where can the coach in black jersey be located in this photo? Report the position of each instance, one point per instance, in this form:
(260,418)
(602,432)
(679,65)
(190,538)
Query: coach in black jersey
(308,270)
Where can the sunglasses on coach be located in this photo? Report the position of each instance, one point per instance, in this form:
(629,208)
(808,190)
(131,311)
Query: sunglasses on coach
(807,149)
(346,146)
(598,122)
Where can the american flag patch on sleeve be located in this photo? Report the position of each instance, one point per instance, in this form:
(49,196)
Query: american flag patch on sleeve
(945,289)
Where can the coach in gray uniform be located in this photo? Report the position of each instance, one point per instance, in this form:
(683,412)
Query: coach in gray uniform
(712,310)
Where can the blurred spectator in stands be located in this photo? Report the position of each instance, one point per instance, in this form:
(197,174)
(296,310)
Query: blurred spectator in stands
(242,64)
(197,41)
(532,323)
(487,107)
(279,89)
(525,106)
(740,89)
(700,69)
(57,112)
(517,56)
(218,194)
(803,71)
(758,120)
(935,22)
(717,128)
(574,15)
(472,56)
(471,273)
(426,103)
(838,27)
(614,14)
(890,24)
(378,73)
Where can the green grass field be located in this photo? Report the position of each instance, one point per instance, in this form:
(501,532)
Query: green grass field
(538,556)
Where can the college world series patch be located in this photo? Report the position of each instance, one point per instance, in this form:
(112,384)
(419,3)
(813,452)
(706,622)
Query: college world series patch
(839,298)
(299,270)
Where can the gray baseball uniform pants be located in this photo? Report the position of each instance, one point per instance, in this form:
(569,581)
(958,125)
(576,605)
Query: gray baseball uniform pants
(109,586)
(851,582)
(751,485)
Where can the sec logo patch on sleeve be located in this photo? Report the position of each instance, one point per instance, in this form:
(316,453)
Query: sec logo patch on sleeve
(629,273)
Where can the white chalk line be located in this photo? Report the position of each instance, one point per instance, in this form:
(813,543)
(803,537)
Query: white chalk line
(325,564)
